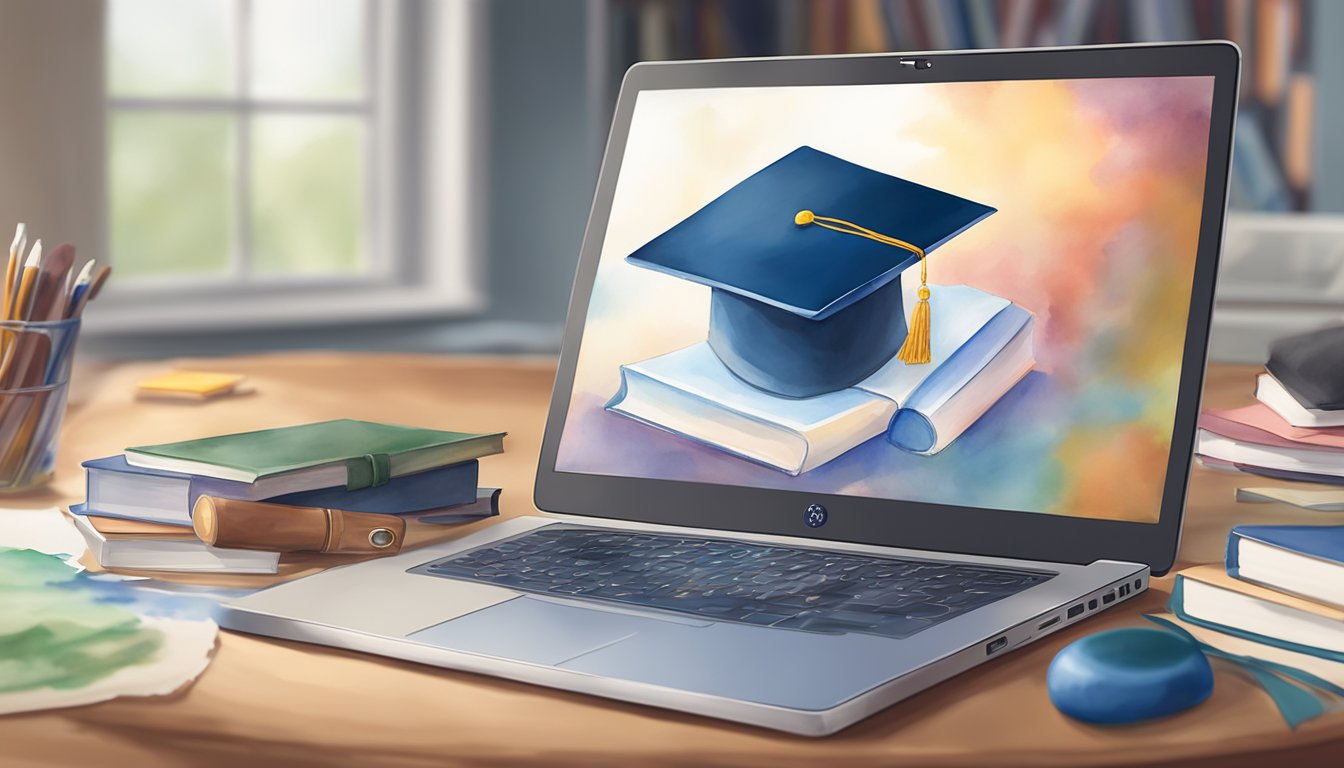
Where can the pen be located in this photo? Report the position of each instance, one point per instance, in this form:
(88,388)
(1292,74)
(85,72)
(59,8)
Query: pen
(81,298)
(81,287)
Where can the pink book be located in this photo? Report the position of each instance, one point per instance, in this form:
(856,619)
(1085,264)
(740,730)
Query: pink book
(1258,424)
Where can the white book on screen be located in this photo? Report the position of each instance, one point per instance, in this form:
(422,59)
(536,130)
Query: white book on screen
(981,348)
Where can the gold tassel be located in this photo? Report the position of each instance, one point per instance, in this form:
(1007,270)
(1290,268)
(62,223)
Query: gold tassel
(917,349)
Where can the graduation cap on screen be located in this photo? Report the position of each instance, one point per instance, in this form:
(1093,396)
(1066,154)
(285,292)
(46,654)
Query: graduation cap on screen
(804,258)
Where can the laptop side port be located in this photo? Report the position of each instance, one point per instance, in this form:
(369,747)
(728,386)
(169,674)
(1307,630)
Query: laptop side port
(1050,622)
(995,645)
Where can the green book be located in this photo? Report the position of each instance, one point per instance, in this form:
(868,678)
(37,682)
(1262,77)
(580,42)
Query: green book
(356,454)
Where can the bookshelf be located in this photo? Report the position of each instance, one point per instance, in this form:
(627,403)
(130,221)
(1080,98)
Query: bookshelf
(1286,68)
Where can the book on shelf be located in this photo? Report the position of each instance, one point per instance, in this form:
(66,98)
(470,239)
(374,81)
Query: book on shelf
(121,543)
(325,454)
(982,346)
(1303,560)
(1272,171)
(1208,597)
(116,488)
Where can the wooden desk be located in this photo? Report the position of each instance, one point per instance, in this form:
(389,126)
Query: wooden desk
(271,702)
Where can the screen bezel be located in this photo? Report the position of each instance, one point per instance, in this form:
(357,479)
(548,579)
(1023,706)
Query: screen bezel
(909,524)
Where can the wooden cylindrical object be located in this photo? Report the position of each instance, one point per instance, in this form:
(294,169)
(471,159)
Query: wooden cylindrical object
(284,528)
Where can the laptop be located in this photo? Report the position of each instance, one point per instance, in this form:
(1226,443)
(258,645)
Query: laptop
(877,368)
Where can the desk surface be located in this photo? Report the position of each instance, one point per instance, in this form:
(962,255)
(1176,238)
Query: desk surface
(264,701)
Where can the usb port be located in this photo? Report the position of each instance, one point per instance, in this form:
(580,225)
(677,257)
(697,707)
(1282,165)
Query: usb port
(1124,590)
(1075,610)
(1108,598)
(1050,622)
(995,645)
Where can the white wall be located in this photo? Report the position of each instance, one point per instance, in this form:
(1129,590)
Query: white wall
(51,121)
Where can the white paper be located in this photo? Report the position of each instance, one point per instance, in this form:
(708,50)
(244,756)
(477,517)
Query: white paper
(188,645)
(44,530)
(187,636)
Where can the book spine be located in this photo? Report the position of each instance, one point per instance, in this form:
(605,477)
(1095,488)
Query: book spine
(431,489)
(1231,558)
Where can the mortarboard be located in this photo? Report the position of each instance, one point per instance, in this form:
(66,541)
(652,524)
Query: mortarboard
(805,296)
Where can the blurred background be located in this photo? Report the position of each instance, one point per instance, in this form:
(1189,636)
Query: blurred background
(411,175)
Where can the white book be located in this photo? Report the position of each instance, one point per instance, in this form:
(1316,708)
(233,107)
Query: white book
(171,554)
(1239,646)
(981,347)
(1316,461)
(1271,392)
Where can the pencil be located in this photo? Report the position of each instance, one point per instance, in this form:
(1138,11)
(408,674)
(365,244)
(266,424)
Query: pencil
(15,254)
(30,270)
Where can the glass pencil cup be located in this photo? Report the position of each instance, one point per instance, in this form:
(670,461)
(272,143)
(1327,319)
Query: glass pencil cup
(35,363)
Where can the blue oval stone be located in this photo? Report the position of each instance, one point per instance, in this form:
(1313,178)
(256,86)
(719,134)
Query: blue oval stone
(1127,675)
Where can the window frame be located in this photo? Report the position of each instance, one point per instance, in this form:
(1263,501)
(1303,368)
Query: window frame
(420,264)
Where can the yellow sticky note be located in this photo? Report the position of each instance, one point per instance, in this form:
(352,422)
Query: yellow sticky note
(201,384)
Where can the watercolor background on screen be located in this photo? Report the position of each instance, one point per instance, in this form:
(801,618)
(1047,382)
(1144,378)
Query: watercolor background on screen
(1099,189)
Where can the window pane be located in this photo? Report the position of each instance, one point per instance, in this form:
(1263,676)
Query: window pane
(308,49)
(171,47)
(171,189)
(307,203)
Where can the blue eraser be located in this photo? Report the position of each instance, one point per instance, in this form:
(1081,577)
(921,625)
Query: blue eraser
(1128,675)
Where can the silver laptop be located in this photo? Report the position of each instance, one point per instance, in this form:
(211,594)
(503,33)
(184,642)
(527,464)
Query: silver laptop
(877,368)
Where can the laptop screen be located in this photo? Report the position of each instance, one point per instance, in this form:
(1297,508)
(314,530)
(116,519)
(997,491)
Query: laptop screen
(965,293)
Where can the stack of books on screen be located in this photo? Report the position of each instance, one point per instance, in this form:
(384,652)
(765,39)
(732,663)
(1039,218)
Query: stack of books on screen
(981,347)
(138,507)
(1296,429)
(1278,598)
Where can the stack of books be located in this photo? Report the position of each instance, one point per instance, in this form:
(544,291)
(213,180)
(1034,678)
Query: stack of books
(1296,430)
(138,505)
(1279,598)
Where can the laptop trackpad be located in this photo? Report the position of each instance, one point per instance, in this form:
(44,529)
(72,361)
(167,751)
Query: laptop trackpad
(539,630)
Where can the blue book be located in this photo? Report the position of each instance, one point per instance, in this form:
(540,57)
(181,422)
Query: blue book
(115,488)
(1305,560)
(486,504)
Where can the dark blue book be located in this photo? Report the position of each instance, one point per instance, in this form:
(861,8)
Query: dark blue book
(1303,560)
(114,488)
(486,504)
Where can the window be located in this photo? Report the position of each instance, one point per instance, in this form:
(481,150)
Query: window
(254,170)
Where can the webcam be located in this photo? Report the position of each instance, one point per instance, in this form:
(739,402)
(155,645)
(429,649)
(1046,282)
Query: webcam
(917,63)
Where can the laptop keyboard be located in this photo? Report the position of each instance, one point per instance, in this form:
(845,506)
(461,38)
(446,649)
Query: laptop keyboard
(725,580)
